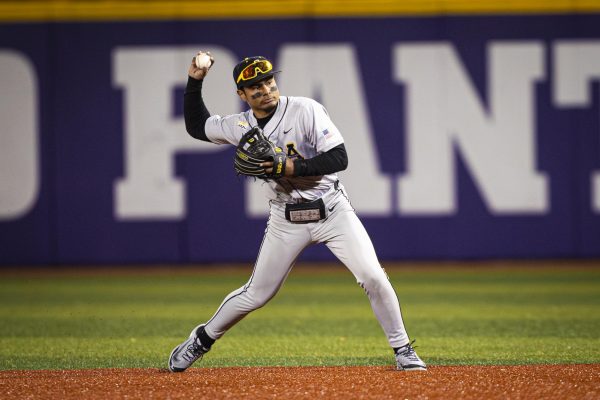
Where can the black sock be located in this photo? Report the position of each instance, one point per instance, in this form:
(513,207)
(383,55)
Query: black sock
(398,348)
(206,340)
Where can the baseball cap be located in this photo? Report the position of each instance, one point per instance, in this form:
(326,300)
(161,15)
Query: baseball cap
(251,70)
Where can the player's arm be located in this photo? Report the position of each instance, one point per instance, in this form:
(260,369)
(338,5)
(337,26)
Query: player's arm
(195,112)
(331,161)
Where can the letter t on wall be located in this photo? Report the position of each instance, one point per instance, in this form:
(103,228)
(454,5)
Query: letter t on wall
(576,65)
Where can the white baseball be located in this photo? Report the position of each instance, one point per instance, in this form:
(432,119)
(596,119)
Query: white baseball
(203,60)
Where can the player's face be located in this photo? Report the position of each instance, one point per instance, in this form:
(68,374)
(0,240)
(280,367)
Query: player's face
(262,97)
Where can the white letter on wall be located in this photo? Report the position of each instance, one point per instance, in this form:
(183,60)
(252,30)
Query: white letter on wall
(19,147)
(335,81)
(444,112)
(576,65)
(152,134)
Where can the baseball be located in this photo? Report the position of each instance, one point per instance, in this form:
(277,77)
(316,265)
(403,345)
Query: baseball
(203,60)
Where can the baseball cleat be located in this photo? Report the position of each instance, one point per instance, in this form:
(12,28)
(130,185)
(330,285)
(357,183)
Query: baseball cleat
(408,360)
(188,352)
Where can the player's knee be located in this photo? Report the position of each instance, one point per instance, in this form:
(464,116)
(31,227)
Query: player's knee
(260,297)
(373,283)
(260,302)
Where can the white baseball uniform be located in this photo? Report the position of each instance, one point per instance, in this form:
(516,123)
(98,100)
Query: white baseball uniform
(302,127)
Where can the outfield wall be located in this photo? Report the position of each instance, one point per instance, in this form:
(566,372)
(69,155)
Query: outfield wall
(473,130)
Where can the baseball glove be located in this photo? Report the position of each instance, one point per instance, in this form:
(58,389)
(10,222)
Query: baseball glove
(254,149)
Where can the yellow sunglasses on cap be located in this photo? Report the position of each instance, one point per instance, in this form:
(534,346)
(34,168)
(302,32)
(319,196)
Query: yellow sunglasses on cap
(251,71)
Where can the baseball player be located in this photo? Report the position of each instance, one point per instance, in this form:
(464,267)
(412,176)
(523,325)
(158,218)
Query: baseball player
(307,205)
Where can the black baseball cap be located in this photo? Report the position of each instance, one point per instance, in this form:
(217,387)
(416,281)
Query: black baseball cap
(254,68)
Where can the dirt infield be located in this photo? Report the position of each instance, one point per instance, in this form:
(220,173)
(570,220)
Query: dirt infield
(472,382)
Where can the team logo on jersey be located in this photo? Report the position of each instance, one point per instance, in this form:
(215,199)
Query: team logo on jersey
(242,124)
(292,152)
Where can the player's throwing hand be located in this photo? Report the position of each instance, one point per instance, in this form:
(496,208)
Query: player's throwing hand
(199,71)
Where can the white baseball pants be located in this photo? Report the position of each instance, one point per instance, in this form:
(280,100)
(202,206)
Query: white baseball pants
(344,235)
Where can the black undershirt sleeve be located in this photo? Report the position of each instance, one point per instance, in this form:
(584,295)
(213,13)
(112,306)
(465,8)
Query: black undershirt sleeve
(334,160)
(194,110)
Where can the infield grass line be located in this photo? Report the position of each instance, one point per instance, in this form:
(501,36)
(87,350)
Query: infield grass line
(321,317)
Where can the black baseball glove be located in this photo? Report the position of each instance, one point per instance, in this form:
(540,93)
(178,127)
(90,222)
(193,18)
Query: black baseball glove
(254,149)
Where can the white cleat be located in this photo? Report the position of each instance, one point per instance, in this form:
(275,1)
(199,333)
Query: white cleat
(408,360)
(188,352)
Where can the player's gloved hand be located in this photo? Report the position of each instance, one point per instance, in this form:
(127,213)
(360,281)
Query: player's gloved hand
(253,151)
(289,167)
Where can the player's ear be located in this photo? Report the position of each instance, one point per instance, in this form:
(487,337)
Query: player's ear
(242,94)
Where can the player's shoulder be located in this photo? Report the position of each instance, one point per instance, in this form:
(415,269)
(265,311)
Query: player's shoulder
(303,105)
(231,118)
(232,124)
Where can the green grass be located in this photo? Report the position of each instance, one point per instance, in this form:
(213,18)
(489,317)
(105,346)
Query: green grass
(320,317)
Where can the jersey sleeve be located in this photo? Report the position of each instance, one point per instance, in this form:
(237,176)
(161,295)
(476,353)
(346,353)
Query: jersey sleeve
(225,130)
(321,130)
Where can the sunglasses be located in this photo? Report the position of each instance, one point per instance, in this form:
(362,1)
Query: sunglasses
(251,71)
